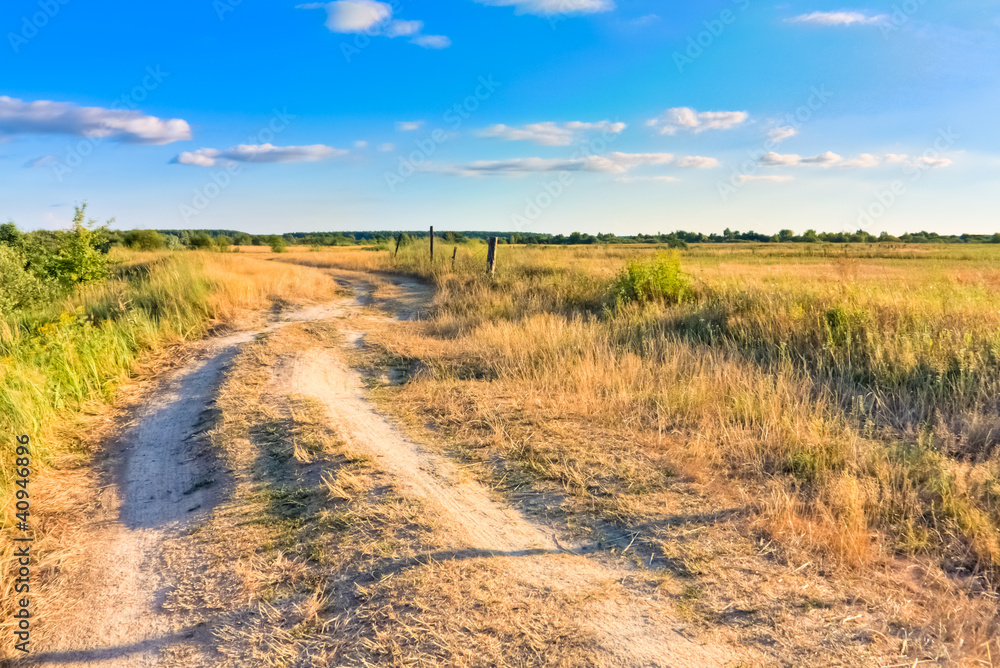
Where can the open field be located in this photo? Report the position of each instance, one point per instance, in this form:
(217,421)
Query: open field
(785,453)
(845,398)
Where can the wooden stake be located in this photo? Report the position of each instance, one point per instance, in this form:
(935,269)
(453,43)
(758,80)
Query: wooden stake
(432,244)
(398,240)
(491,256)
(453,254)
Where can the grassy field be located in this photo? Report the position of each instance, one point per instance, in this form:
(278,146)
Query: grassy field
(848,396)
(841,401)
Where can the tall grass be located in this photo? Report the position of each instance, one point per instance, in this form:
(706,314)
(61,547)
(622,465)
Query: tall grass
(55,361)
(858,387)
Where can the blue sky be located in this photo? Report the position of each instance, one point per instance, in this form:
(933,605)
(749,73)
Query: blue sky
(617,116)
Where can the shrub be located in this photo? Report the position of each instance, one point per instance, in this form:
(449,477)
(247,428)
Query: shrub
(172,242)
(18,288)
(82,257)
(200,241)
(10,235)
(278,245)
(144,240)
(656,280)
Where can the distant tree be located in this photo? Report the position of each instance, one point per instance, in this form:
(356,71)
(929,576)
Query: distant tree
(145,240)
(223,242)
(810,236)
(10,235)
(200,241)
(172,242)
(278,244)
(995,239)
(784,236)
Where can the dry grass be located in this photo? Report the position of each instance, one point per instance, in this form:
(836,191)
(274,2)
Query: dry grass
(844,403)
(314,559)
(62,368)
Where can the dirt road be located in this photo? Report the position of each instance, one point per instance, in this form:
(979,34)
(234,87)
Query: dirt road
(168,479)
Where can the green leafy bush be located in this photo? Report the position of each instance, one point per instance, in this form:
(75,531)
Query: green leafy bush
(145,240)
(19,288)
(82,257)
(657,280)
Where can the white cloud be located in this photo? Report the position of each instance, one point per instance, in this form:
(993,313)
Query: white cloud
(766,178)
(550,7)
(776,159)
(778,135)
(931,162)
(685,118)
(697,162)
(403,28)
(353,16)
(361,143)
(409,126)
(616,163)
(387,147)
(863,161)
(63,118)
(550,133)
(645,179)
(773,159)
(432,41)
(828,158)
(374,18)
(845,18)
(208,157)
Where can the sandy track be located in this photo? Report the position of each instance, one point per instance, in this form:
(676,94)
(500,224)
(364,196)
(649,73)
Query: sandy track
(168,479)
(635,633)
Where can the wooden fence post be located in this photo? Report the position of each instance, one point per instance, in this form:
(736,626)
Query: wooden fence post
(491,256)
(454,253)
(432,244)
(398,240)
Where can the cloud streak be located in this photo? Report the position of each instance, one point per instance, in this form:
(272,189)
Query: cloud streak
(550,133)
(686,119)
(44,117)
(838,18)
(264,153)
(614,163)
(551,7)
(862,161)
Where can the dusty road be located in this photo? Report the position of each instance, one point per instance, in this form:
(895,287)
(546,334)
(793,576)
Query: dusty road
(167,478)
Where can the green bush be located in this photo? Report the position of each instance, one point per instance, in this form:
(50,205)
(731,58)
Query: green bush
(82,257)
(145,240)
(657,280)
(19,289)
(201,241)
(278,245)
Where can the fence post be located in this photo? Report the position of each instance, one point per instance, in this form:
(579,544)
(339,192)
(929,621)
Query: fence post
(398,240)
(454,253)
(432,244)
(491,256)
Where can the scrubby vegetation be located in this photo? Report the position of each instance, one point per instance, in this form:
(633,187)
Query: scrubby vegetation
(77,317)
